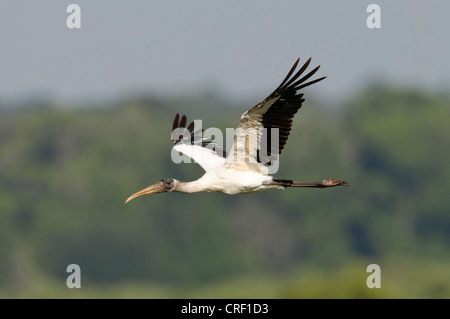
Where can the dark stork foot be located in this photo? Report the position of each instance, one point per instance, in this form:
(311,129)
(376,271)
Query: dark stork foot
(333,182)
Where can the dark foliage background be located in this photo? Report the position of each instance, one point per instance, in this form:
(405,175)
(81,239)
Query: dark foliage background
(66,172)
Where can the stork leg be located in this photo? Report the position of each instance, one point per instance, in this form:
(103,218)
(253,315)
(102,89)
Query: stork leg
(322,184)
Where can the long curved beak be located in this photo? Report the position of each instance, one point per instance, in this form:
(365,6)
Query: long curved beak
(153,189)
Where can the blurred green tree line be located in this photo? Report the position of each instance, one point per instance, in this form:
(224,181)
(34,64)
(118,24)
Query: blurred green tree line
(66,172)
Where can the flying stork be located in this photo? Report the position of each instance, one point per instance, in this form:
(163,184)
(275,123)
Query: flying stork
(245,169)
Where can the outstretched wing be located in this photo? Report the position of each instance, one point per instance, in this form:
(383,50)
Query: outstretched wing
(255,139)
(206,153)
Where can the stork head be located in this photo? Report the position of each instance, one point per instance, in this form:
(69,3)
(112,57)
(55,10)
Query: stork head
(165,185)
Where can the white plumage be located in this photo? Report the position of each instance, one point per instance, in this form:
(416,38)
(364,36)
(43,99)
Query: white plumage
(246,168)
(205,157)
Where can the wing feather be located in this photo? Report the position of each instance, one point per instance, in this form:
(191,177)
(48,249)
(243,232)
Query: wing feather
(205,157)
(253,141)
(191,143)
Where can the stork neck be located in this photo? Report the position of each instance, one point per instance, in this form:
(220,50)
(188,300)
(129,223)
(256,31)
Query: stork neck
(189,187)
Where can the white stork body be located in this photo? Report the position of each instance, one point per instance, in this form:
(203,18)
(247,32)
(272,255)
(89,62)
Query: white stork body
(231,179)
(245,169)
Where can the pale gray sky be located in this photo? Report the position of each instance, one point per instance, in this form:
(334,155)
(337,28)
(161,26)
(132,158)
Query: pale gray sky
(243,48)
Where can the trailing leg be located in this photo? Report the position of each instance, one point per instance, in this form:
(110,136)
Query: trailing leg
(322,184)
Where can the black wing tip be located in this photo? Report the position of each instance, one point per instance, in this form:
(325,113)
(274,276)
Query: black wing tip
(175,121)
(180,123)
(292,82)
(295,82)
(183,121)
